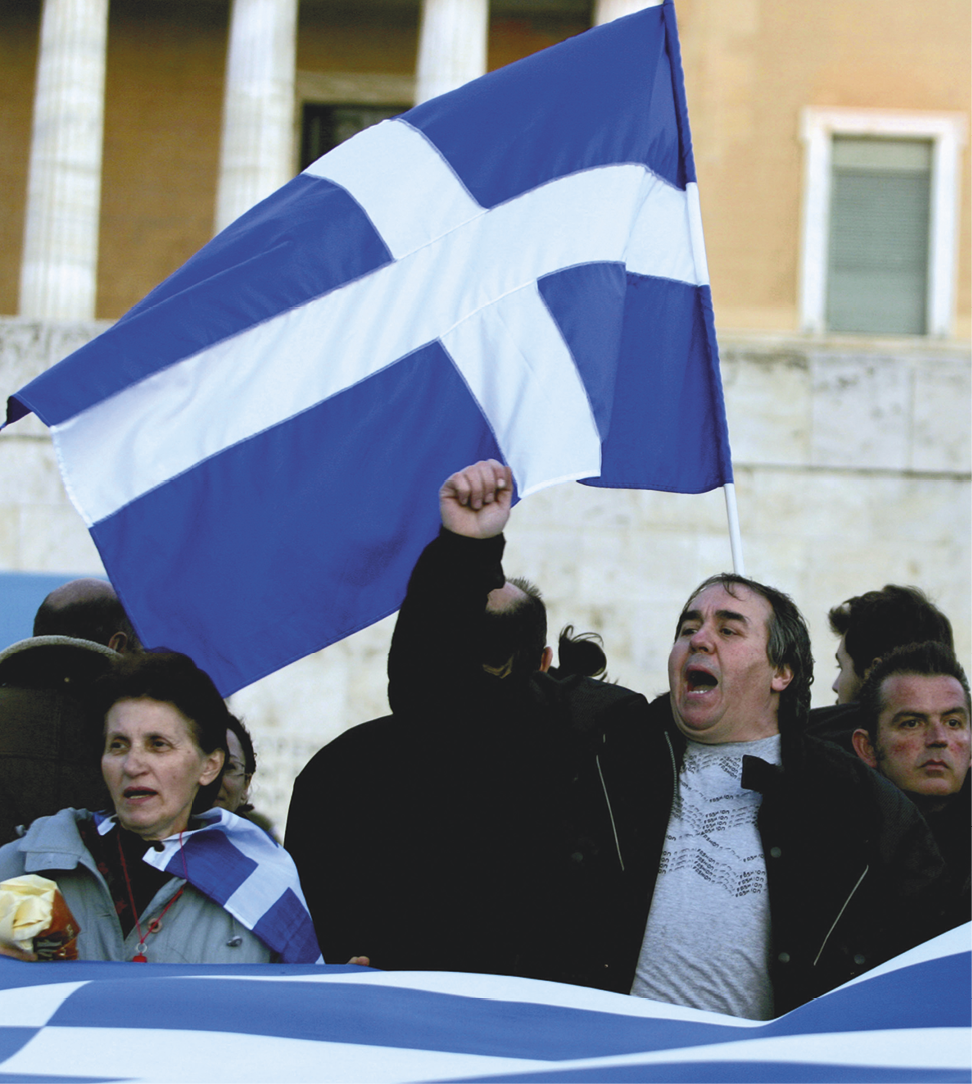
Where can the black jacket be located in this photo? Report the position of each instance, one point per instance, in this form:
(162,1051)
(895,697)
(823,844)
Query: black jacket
(836,723)
(460,833)
(853,874)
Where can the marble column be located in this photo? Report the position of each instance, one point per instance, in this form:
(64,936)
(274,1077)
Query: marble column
(452,45)
(606,10)
(256,150)
(58,273)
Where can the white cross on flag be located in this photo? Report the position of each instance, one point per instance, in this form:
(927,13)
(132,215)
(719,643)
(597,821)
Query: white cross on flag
(515,270)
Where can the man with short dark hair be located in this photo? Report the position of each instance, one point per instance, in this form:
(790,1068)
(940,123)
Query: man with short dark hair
(769,867)
(869,626)
(915,709)
(876,622)
(514,632)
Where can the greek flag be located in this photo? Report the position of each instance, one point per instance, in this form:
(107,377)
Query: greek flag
(238,865)
(513,270)
(906,1021)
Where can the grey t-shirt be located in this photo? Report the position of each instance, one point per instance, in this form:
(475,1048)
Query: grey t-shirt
(707,939)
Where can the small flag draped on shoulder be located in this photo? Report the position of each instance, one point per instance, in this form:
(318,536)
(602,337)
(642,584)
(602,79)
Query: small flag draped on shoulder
(512,270)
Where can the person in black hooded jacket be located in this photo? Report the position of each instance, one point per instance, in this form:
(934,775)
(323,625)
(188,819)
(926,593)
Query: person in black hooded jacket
(455,833)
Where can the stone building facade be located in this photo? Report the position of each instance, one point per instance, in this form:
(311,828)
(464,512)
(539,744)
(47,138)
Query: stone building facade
(132,129)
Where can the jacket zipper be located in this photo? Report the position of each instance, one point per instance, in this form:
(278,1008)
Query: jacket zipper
(607,799)
(839,913)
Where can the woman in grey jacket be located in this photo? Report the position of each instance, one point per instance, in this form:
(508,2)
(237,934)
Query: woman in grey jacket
(166,878)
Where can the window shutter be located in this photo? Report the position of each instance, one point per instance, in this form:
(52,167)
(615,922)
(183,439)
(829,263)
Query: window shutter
(878,247)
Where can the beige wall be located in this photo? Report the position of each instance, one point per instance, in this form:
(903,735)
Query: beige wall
(750,67)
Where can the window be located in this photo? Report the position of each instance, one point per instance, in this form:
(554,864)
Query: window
(880,221)
(325,126)
(333,106)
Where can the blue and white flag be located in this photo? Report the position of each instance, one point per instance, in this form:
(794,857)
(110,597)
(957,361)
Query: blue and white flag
(907,1021)
(236,864)
(515,269)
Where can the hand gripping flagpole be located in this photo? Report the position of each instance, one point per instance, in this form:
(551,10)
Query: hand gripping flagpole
(735,538)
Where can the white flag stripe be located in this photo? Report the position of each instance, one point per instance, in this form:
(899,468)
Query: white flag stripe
(33,1006)
(164,1055)
(402,182)
(255,896)
(666,238)
(171,421)
(517,365)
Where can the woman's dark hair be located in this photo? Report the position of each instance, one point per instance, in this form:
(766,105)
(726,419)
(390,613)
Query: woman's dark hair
(580,654)
(170,678)
(238,727)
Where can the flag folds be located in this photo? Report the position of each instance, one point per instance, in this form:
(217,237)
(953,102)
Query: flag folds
(515,269)
(905,1022)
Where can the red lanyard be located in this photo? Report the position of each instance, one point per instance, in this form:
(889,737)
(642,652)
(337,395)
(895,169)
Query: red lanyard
(155,924)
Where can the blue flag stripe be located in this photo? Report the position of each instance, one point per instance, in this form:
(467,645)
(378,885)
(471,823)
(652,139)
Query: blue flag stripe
(626,114)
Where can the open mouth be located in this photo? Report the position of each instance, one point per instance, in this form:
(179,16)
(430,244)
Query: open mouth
(135,793)
(699,680)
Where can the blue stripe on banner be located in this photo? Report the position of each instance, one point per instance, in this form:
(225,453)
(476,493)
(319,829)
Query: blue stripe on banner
(358,463)
(668,391)
(889,1001)
(570,107)
(217,867)
(732,1072)
(301,242)
(587,302)
(13,1039)
(45,1078)
(379,1016)
(287,928)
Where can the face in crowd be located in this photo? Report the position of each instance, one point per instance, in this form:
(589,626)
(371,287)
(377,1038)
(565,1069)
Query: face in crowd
(234,787)
(847,684)
(922,739)
(723,686)
(153,766)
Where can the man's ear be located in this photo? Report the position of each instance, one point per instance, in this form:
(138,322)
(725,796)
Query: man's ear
(118,642)
(861,741)
(782,678)
(546,659)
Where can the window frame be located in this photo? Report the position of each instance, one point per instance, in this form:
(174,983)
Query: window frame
(947,134)
(343,88)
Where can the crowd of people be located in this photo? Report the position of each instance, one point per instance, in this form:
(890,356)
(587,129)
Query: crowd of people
(722,846)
